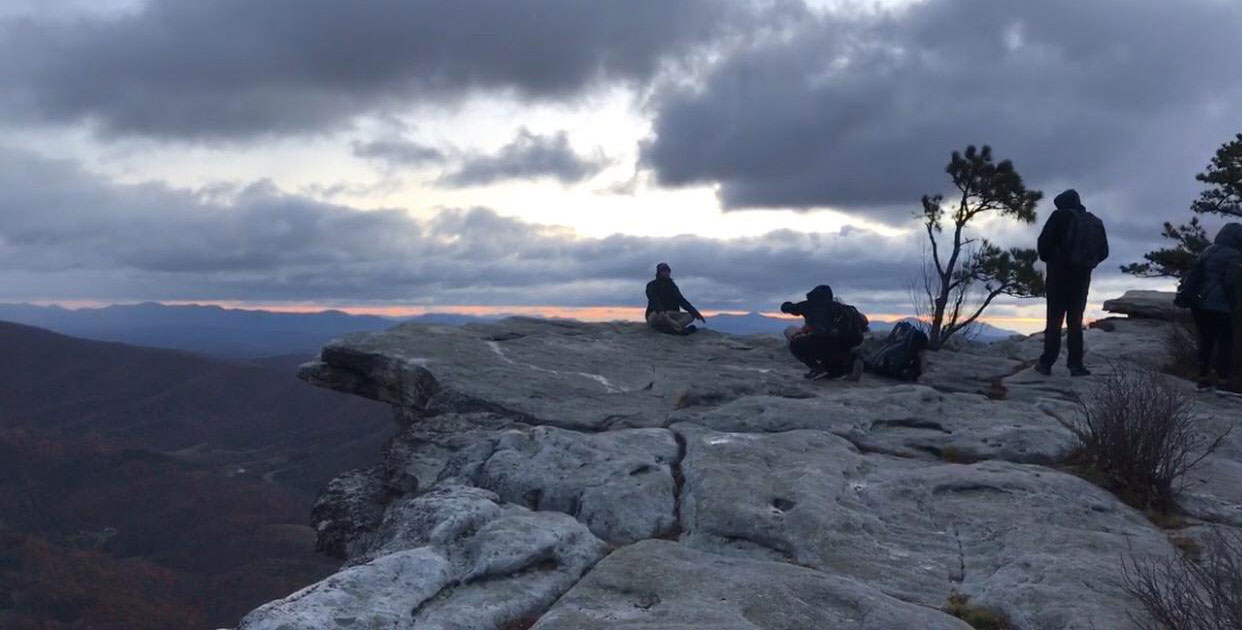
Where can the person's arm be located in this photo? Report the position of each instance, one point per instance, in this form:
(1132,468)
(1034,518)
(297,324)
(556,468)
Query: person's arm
(794,309)
(1053,234)
(681,299)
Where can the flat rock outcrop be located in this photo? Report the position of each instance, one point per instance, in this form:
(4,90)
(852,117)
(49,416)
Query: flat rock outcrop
(561,475)
(1144,305)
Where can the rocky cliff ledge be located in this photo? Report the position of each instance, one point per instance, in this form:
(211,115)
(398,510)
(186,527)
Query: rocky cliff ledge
(565,476)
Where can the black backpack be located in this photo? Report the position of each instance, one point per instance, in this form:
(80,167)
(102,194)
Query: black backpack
(898,356)
(849,323)
(1190,287)
(1086,241)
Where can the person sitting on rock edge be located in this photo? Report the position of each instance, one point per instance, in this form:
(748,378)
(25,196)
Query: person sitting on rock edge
(665,303)
(826,343)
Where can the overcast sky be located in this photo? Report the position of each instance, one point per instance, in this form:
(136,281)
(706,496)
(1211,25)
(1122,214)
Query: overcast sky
(519,153)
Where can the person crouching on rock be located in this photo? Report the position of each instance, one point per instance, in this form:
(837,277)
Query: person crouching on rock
(826,343)
(665,303)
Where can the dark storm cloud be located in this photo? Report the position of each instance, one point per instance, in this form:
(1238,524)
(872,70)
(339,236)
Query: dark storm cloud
(237,68)
(65,233)
(399,152)
(1125,99)
(528,156)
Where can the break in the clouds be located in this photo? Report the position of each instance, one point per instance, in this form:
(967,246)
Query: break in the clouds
(68,234)
(237,68)
(527,156)
(861,110)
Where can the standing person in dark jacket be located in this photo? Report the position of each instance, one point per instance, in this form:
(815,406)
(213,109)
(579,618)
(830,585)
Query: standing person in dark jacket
(665,303)
(826,343)
(1214,315)
(1072,243)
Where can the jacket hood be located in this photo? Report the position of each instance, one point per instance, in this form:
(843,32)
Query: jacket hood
(821,293)
(1230,236)
(1068,200)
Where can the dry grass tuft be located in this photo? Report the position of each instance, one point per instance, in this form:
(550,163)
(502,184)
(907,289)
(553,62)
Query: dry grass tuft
(979,618)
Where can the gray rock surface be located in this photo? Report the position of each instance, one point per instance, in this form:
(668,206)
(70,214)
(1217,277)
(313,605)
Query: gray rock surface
(909,421)
(619,483)
(659,585)
(451,558)
(1038,544)
(1213,492)
(730,492)
(379,594)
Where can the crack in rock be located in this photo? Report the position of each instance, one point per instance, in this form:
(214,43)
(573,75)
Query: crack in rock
(598,378)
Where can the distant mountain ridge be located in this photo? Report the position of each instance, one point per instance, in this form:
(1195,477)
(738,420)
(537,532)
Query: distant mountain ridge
(210,330)
(243,333)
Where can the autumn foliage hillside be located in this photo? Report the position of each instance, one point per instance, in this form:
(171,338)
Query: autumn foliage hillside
(101,536)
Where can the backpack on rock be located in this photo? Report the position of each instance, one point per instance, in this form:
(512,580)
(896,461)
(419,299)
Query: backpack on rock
(898,356)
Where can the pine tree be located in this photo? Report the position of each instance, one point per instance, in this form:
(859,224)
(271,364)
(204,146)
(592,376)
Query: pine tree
(1223,196)
(960,286)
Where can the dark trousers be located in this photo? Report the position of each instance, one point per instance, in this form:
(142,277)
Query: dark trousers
(821,352)
(1067,299)
(1215,339)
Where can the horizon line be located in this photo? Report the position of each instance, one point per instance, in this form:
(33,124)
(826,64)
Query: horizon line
(581,313)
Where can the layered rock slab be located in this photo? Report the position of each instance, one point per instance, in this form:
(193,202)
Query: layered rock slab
(568,374)
(1144,305)
(619,483)
(659,585)
(453,558)
(1041,546)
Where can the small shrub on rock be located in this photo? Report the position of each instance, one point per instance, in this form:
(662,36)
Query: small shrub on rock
(1138,438)
(1185,593)
(977,617)
(1182,343)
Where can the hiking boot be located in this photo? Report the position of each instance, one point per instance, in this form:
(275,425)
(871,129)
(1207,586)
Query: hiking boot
(1043,368)
(815,374)
(1079,371)
(856,370)
(690,330)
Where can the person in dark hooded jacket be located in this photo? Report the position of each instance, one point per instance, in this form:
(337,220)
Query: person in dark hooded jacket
(827,340)
(665,303)
(1218,308)
(1068,284)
